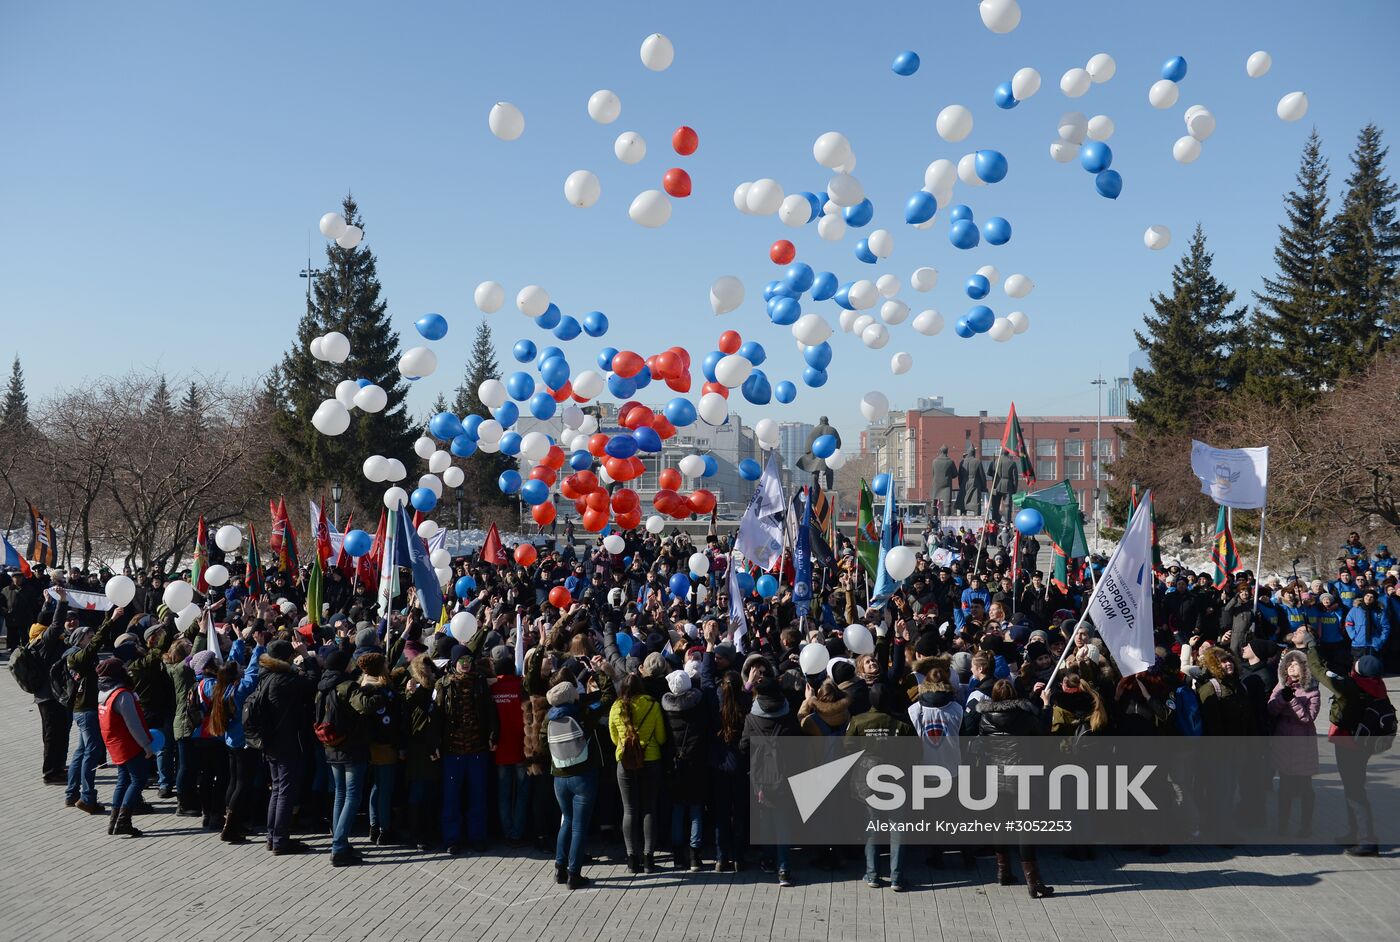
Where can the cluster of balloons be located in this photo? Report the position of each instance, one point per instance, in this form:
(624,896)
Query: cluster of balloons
(333,226)
(1024,84)
(1099,69)
(964,234)
(1096,158)
(333,347)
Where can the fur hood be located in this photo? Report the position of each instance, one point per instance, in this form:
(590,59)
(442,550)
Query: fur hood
(1287,658)
(276,665)
(1213,659)
(421,670)
(1005,706)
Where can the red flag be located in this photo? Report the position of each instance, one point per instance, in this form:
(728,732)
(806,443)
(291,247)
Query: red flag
(284,541)
(322,532)
(343,560)
(201,556)
(254,578)
(368,565)
(493,551)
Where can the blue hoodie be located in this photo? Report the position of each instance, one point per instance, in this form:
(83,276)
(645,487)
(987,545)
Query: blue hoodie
(233,736)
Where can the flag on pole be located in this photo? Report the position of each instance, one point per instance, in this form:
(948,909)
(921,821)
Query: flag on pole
(313,591)
(867,537)
(43,543)
(885,586)
(211,637)
(321,533)
(519,646)
(14,560)
(339,558)
(823,516)
(388,563)
(1064,524)
(255,574)
(1013,443)
(802,559)
(1232,477)
(201,557)
(1121,606)
(412,554)
(493,551)
(1156,547)
(367,566)
(1222,549)
(760,531)
(284,541)
(738,623)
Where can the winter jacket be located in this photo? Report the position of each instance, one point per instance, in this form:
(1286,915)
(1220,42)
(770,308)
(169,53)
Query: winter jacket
(1368,627)
(468,721)
(50,647)
(964,608)
(824,718)
(1330,624)
(646,719)
(354,746)
(151,683)
(288,694)
(1349,696)
(1226,708)
(937,719)
(383,720)
(689,730)
(83,662)
(421,732)
(237,696)
(1346,593)
(1294,712)
(182,681)
(768,719)
(999,725)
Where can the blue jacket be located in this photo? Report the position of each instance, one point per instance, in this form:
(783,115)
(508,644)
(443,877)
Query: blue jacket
(965,605)
(1330,627)
(1381,564)
(1368,627)
(233,736)
(1297,617)
(1346,593)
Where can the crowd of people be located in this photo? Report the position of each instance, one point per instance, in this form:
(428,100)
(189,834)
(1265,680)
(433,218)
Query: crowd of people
(627,712)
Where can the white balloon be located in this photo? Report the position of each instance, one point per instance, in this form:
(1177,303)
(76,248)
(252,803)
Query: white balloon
(350,237)
(1101,68)
(967,171)
(589,425)
(928,322)
(894,311)
(532,300)
(489,431)
(650,209)
(506,121)
(330,418)
(440,558)
(1073,127)
(861,322)
(1000,16)
(845,190)
(1025,83)
(1200,124)
(630,147)
(439,461)
(940,175)
(888,285)
(899,563)
(901,363)
(186,616)
(572,415)
(732,370)
(1163,93)
(835,460)
(1018,286)
(990,273)
(534,445)
(831,149)
(177,595)
(492,393)
(453,477)
(657,52)
(121,590)
(444,575)
(332,225)
(588,384)
(1001,330)
(699,564)
(372,398)
(1075,83)
(216,575)
(741,197)
(795,211)
(417,362)
(394,470)
(1063,151)
(713,407)
(395,497)
(375,467)
(614,544)
(604,106)
(847,318)
(424,447)
(315,348)
(655,524)
(1293,106)
(811,329)
(831,228)
(1186,149)
(432,482)
(726,293)
(766,430)
(228,538)
(582,189)
(345,391)
(1019,321)
(692,466)
(488,448)
(924,279)
(880,243)
(427,529)
(954,123)
(489,296)
(1258,64)
(858,639)
(764,197)
(463,627)
(1157,237)
(813,658)
(335,347)
(875,336)
(1101,127)
(863,295)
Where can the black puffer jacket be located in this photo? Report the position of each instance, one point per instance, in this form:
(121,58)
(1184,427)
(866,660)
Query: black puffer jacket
(999,726)
(689,728)
(289,694)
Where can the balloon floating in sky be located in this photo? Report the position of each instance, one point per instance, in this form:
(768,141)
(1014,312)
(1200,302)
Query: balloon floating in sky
(685,141)
(1293,106)
(604,106)
(1174,69)
(657,52)
(1109,183)
(1157,237)
(1258,64)
(506,121)
(997,231)
(431,326)
(582,189)
(651,209)
(1000,16)
(906,63)
(954,123)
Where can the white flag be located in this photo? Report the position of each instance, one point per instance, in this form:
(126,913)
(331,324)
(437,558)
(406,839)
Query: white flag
(211,638)
(738,623)
(761,529)
(1232,477)
(1121,606)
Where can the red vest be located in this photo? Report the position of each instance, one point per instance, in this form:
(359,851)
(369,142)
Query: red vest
(121,745)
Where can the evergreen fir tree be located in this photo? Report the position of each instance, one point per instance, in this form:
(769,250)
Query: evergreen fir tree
(14,409)
(1362,266)
(440,404)
(346,298)
(482,469)
(1290,348)
(162,405)
(1195,345)
(192,408)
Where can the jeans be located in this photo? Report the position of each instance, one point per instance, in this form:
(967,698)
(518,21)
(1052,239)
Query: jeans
(639,788)
(576,795)
(165,759)
(696,814)
(349,780)
(472,768)
(512,799)
(55,721)
(872,850)
(285,778)
(131,775)
(381,794)
(187,774)
(1351,766)
(82,770)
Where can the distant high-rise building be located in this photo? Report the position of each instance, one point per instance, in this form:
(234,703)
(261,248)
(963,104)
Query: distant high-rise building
(792,441)
(1119,391)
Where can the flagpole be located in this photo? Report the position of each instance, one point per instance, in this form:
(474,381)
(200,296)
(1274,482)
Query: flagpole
(1259,558)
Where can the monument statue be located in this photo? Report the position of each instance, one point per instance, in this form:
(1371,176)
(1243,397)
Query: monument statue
(810,462)
(972,483)
(1005,476)
(945,476)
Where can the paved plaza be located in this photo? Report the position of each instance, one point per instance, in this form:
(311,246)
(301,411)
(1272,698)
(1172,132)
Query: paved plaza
(62,877)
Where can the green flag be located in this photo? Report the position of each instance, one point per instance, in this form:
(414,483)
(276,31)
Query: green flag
(1222,550)
(313,591)
(1063,524)
(1013,443)
(867,535)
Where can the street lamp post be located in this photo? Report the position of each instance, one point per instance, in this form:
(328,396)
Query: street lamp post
(1098,434)
(336,492)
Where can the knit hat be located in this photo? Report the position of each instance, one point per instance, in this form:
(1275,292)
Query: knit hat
(654,665)
(113,671)
(366,638)
(962,662)
(927,645)
(77,634)
(842,671)
(726,651)
(200,661)
(150,632)
(1263,648)
(413,649)
(458,651)
(679,682)
(338,659)
(281,650)
(125,638)
(752,661)
(1020,633)
(1036,649)
(372,663)
(562,693)
(1368,665)
(503,659)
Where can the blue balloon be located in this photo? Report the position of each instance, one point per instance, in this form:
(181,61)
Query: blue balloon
(1003,98)
(534,492)
(745,581)
(707,367)
(753,351)
(816,204)
(595,323)
(358,543)
(814,377)
(1109,184)
(520,385)
(980,318)
(990,165)
(783,311)
(766,586)
(825,446)
(750,470)
(959,212)
(550,318)
(158,738)
(818,356)
(1030,522)
(554,372)
(770,290)
(1174,69)
(906,63)
(978,287)
(548,352)
(997,231)
(445,426)
(643,378)
(785,392)
(621,386)
(506,414)
(843,297)
(362,382)
(624,643)
(568,328)
(962,329)
(756,388)
(463,446)
(510,443)
(470,424)
(881,485)
(824,286)
(711,466)
(799,277)
(680,585)
(864,254)
(647,439)
(964,235)
(1095,156)
(605,358)
(509,481)
(860,214)
(524,351)
(580,460)
(470,580)
(431,326)
(680,411)
(463,586)
(423,499)
(542,405)
(922,207)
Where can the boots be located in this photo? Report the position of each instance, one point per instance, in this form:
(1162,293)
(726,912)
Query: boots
(577,880)
(634,863)
(650,864)
(681,858)
(1004,875)
(112,821)
(124,825)
(1036,888)
(232,833)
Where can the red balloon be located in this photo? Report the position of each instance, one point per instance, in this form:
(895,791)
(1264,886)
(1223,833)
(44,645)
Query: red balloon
(676,182)
(685,140)
(580,505)
(554,458)
(667,365)
(684,354)
(569,488)
(680,384)
(636,466)
(633,416)
(597,500)
(702,500)
(683,508)
(627,364)
(663,427)
(586,481)
(541,473)
(669,479)
(720,388)
(595,520)
(543,513)
(597,443)
(618,468)
(629,520)
(525,554)
(665,500)
(564,392)
(559,596)
(625,499)
(782,252)
(730,341)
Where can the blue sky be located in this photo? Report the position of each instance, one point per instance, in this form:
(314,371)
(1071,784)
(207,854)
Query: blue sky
(164,163)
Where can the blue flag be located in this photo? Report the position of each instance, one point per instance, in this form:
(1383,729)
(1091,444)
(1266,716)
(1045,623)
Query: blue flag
(738,623)
(411,553)
(802,559)
(889,539)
